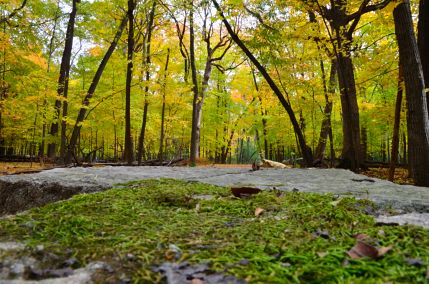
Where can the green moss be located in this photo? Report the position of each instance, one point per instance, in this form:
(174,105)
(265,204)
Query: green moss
(144,218)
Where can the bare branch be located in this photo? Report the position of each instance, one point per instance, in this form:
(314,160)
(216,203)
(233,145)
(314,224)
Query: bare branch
(259,18)
(367,9)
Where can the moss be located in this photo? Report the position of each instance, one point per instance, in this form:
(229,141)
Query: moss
(282,245)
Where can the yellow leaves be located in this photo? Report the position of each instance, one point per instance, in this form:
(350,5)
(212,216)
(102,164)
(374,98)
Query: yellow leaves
(236,96)
(367,106)
(37,59)
(95,51)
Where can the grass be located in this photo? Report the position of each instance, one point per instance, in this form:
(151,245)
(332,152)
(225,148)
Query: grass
(144,218)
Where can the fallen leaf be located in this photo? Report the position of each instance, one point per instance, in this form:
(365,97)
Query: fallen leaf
(259,211)
(197,281)
(362,249)
(383,250)
(322,254)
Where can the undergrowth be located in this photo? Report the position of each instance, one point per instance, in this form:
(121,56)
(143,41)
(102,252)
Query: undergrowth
(135,225)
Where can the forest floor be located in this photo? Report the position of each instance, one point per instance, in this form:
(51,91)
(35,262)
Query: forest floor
(170,231)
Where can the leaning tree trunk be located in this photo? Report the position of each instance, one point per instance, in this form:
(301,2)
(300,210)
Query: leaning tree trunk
(63,84)
(423,42)
(128,151)
(417,116)
(83,110)
(306,150)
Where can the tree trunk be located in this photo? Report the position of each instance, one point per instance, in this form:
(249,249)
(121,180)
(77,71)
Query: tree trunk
(396,126)
(83,110)
(63,84)
(146,65)
(423,42)
(351,153)
(418,121)
(164,84)
(326,122)
(306,150)
(128,152)
(194,135)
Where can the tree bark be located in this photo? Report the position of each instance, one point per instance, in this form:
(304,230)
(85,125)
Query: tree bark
(128,151)
(194,135)
(396,126)
(83,110)
(63,82)
(423,42)
(164,85)
(417,116)
(146,64)
(306,150)
(326,122)
(351,153)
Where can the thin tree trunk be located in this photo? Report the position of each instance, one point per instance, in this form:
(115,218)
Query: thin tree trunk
(146,64)
(264,113)
(164,85)
(326,122)
(128,152)
(194,135)
(83,110)
(63,84)
(418,121)
(423,42)
(396,126)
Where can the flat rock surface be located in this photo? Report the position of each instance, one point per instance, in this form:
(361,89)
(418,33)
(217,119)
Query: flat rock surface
(65,182)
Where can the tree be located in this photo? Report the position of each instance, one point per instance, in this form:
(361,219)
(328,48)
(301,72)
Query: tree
(200,92)
(306,150)
(63,86)
(129,152)
(423,41)
(146,65)
(162,130)
(417,115)
(341,25)
(13,13)
(86,101)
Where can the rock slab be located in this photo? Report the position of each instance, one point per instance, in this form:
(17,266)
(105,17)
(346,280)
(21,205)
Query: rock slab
(21,192)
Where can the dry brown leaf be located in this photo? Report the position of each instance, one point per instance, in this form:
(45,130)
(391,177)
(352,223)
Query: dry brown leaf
(362,249)
(197,281)
(259,211)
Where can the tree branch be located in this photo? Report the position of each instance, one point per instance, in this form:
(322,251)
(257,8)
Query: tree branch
(13,13)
